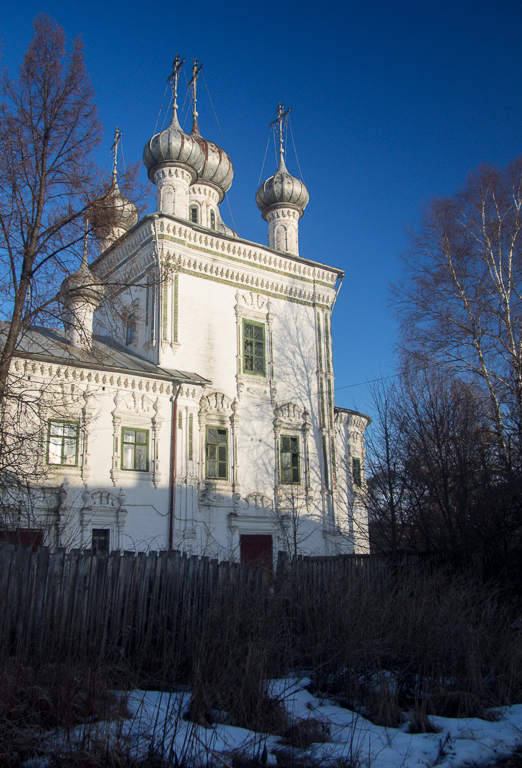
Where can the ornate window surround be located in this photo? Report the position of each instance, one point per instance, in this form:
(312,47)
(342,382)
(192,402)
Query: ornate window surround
(131,411)
(218,410)
(102,509)
(258,309)
(292,420)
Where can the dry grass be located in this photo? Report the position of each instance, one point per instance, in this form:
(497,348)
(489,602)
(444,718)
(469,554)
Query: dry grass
(383,646)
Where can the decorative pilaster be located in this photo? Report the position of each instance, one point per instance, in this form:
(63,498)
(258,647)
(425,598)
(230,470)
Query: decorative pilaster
(157,421)
(116,426)
(234,422)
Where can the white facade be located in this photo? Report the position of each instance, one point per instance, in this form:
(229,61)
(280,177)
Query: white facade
(248,442)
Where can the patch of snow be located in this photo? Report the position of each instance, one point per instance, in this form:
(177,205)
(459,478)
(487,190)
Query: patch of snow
(157,722)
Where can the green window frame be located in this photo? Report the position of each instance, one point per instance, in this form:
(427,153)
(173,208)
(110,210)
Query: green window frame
(194,214)
(253,348)
(135,449)
(216,450)
(212,220)
(356,472)
(290,455)
(63,442)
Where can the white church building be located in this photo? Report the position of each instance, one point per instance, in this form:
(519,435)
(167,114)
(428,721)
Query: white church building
(206,420)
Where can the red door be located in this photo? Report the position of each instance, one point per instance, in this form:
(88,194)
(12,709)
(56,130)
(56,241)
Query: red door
(256,549)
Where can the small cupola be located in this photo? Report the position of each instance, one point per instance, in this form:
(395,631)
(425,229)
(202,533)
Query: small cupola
(282,198)
(114,214)
(81,294)
(173,159)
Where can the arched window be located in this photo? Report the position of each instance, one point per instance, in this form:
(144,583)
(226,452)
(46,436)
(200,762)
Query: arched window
(212,220)
(194,214)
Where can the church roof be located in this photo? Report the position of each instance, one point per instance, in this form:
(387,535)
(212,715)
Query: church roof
(51,346)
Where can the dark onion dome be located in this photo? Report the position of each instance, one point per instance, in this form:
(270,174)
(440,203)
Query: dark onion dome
(217,169)
(114,210)
(82,286)
(173,145)
(282,189)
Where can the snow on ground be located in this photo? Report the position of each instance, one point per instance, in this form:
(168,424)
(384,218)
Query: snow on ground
(157,723)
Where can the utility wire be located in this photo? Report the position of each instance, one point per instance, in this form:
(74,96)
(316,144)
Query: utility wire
(264,160)
(160,109)
(295,150)
(224,143)
(371,381)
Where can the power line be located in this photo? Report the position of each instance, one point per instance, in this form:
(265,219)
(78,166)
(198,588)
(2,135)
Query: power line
(371,381)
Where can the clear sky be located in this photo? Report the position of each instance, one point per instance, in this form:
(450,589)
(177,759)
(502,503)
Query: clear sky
(393,103)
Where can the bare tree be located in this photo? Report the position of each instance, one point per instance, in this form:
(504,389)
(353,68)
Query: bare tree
(386,494)
(435,479)
(460,304)
(49,185)
(53,203)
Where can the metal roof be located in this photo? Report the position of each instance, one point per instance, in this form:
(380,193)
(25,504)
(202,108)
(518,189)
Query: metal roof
(50,345)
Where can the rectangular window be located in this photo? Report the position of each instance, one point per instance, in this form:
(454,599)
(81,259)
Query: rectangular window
(217,453)
(131,329)
(135,447)
(356,472)
(290,460)
(101,538)
(253,348)
(63,443)
(191,438)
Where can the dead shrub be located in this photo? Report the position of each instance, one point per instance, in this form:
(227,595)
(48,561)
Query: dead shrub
(304,733)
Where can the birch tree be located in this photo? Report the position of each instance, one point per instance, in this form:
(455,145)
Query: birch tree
(460,303)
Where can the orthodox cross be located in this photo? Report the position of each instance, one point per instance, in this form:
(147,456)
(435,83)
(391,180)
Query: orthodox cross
(174,78)
(114,150)
(279,123)
(194,83)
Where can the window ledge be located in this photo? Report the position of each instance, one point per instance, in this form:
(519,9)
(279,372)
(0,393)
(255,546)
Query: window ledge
(135,474)
(62,468)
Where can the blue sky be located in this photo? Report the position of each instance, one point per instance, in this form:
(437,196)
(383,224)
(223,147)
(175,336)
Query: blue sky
(393,104)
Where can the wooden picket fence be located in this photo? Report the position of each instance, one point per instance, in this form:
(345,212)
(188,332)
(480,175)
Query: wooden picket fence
(58,604)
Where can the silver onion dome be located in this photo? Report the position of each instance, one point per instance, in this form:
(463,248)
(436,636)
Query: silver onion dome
(82,286)
(173,145)
(112,211)
(282,189)
(217,169)
(125,212)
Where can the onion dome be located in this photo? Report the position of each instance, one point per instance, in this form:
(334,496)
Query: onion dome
(113,211)
(173,145)
(125,212)
(82,286)
(217,169)
(226,230)
(282,189)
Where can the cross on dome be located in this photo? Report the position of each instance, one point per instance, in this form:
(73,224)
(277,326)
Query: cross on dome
(194,83)
(173,79)
(280,121)
(114,150)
